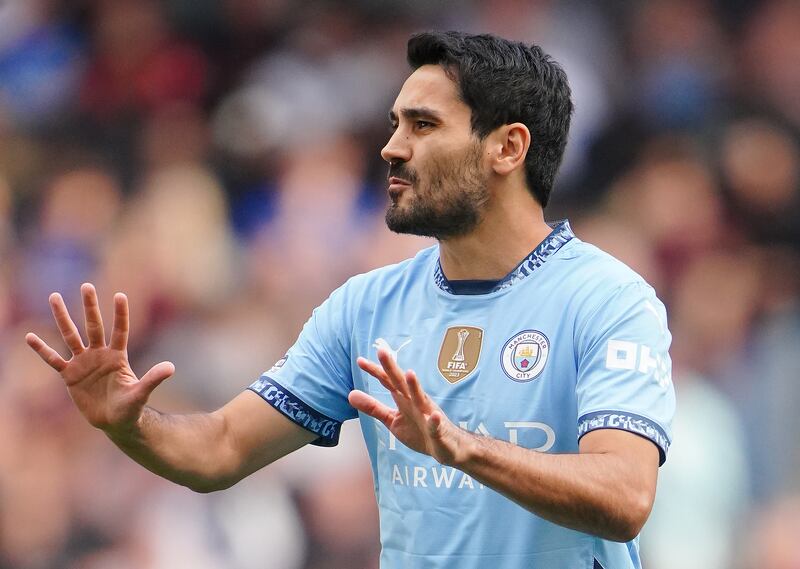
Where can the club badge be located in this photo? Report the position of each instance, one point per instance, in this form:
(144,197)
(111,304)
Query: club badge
(460,352)
(279,364)
(524,356)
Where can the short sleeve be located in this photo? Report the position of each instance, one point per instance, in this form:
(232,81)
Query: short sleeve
(310,384)
(624,369)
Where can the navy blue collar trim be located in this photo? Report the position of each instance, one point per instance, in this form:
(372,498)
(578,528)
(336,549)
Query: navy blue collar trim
(472,286)
(561,234)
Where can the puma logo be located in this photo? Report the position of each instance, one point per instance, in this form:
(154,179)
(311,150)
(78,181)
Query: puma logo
(380,343)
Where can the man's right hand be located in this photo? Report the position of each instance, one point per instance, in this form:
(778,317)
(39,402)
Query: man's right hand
(203,451)
(98,376)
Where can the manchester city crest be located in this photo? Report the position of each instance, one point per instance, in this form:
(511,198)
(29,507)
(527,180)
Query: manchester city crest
(524,356)
(279,364)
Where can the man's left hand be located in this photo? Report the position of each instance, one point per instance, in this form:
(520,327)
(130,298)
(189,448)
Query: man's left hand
(418,422)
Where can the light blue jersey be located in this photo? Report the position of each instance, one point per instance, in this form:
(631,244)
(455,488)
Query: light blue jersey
(570,341)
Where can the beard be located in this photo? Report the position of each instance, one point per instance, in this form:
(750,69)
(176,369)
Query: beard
(452,202)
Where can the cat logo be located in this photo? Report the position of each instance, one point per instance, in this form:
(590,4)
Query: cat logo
(460,352)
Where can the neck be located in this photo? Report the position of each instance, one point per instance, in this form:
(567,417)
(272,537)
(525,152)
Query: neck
(510,229)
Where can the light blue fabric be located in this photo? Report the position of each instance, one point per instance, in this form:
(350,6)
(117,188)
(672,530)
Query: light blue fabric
(572,341)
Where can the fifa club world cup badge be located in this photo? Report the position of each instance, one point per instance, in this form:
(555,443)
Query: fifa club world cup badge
(460,352)
(524,356)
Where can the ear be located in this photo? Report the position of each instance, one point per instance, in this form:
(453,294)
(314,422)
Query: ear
(509,144)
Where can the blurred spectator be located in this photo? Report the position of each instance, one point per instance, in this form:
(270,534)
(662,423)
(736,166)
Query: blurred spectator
(77,213)
(173,136)
(770,51)
(761,170)
(313,91)
(762,378)
(715,302)
(678,49)
(315,220)
(41,63)
(35,517)
(671,199)
(136,65)
(773,543)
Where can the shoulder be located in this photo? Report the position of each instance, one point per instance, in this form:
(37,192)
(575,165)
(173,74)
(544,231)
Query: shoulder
(596,270)
(601,286)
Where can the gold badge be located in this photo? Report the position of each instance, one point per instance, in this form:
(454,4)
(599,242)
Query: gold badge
(460,352)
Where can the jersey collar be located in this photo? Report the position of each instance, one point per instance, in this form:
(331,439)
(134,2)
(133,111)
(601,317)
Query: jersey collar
(561,234)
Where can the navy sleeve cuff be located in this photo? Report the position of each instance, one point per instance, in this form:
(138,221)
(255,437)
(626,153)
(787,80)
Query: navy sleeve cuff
(625,421)
(298,411)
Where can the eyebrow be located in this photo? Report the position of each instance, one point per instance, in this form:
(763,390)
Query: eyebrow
(413,113)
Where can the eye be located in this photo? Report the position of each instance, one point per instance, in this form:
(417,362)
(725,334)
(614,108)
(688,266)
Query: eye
(424,124)
(392,127)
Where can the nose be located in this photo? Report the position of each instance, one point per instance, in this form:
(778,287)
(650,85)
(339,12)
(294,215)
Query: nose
(397,149)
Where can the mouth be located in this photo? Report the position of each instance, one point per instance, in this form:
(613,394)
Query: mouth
(397,186)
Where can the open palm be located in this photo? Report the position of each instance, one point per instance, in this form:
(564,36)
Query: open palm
(98,376)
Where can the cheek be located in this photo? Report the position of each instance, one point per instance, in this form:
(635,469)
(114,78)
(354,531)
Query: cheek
(437,168)
(422,178)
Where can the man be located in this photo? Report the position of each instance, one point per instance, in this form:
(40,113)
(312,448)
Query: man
(532,433)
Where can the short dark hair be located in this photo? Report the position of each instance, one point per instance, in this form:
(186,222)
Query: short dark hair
(504,82)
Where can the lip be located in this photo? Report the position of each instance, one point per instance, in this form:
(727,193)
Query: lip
(394,181)
(397,186)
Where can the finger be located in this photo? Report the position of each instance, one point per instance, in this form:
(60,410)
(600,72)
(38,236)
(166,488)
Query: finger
(119,332)
(418,396)
(91,312)
(371,406)
(394,372)
(377,372)
(48,354)
(65,324)
(153,378)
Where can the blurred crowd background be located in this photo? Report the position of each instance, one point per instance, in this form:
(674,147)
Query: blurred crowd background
(218,161)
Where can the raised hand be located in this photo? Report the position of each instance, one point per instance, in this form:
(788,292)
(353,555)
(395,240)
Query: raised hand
(98,376)
(418,422)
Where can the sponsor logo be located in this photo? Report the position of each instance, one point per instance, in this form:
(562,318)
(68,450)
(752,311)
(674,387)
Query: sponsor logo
(622,354)
(417,476)
(524,356)
(407,472)
(460,352)
(533,435)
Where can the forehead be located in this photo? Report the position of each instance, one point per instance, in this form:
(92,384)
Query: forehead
(430,87)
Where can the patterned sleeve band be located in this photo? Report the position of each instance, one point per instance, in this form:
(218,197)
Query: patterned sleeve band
(298,411)
(625,421)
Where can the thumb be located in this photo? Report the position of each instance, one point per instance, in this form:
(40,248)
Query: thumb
(155,376)
(435,423)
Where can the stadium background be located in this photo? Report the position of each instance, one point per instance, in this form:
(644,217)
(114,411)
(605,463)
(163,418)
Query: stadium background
(218,161)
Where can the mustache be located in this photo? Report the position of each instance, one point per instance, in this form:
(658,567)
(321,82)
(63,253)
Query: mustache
(402,171)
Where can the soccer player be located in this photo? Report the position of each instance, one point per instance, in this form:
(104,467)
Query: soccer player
(531,431)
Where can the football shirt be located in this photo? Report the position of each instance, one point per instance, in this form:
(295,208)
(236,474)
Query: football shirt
(572,340)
